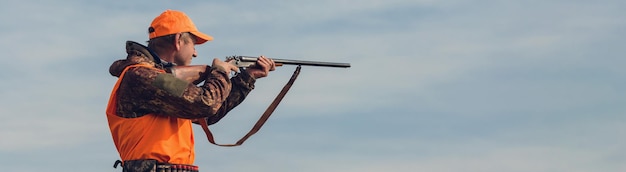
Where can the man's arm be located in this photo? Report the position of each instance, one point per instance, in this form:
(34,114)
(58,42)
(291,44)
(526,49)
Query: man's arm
(145,90)
(242,84)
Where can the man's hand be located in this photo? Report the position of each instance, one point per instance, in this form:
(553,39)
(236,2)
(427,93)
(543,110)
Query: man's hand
(224,66)
(262,67)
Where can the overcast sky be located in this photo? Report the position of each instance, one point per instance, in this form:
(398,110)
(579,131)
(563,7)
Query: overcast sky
(435,86)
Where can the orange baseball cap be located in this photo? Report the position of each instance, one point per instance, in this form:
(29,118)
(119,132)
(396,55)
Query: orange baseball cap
(171,22)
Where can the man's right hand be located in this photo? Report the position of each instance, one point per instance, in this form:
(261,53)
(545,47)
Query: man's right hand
(224,66)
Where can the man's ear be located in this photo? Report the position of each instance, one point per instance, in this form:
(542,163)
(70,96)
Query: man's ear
(177,41)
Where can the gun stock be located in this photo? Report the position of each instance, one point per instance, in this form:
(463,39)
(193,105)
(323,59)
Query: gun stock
(193,73)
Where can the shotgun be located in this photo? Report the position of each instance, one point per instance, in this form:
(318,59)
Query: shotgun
(195,73)
(247,61)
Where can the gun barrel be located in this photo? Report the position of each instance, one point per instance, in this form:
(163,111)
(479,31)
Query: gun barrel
(296,62)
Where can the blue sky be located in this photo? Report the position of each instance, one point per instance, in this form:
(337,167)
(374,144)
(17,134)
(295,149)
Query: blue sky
(438,86)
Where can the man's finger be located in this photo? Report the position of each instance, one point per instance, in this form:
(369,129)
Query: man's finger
(273,65)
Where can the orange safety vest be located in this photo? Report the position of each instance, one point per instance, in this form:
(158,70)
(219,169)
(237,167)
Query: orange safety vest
(162,138)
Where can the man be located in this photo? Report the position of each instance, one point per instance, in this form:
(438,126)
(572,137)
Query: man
(151,109)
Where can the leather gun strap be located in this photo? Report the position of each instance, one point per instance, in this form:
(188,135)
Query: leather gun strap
(266,115)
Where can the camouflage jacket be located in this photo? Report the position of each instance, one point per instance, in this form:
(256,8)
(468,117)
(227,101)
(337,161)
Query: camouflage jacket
(147,91)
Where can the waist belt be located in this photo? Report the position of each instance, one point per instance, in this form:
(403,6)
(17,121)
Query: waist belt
(150,165)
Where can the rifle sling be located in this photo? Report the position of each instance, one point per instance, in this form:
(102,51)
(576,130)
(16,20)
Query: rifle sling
(266,115)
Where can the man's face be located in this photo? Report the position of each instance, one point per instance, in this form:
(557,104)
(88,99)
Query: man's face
(186,52)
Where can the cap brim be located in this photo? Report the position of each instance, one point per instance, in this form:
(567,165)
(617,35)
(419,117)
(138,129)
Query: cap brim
(201,37)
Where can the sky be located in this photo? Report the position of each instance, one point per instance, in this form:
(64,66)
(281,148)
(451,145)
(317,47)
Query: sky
(435,86)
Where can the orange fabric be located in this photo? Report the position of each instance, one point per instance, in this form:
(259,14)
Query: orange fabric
(171,22)
(163,138)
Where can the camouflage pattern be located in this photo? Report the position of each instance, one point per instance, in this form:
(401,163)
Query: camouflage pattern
(147,91)
(140,166)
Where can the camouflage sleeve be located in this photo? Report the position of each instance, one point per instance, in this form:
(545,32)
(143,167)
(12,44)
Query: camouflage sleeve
(243,83)
(145,90)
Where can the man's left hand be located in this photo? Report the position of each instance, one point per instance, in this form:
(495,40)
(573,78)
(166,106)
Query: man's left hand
(262,67)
